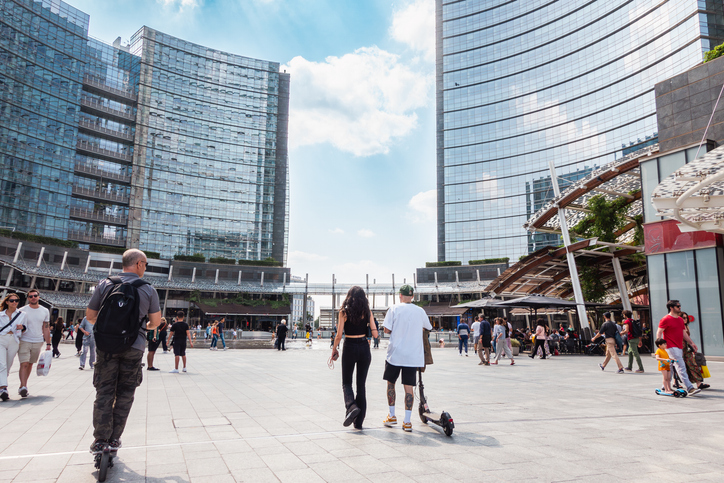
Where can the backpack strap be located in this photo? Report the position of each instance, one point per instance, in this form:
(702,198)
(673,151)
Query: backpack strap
(139,283)
(115,280)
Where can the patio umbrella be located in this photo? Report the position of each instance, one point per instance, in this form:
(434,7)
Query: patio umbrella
(534,301)
(482,303)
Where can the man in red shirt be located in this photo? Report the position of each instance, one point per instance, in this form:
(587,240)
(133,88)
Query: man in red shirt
(671,329)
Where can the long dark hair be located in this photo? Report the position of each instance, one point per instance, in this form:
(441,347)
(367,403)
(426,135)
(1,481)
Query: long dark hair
(356,307)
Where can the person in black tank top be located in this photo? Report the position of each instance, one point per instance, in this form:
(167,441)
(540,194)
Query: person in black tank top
(355,320)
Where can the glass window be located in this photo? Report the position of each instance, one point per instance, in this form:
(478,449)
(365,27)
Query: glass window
(681,274)
(657,289)
(712,333)
(670,163)
(649,182)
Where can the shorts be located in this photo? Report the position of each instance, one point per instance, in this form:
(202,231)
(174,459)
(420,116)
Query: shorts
(393,372)
(29,351)
(152,346)
(179,349)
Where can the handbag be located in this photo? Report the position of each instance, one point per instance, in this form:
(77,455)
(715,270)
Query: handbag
(44,361)
(11,320)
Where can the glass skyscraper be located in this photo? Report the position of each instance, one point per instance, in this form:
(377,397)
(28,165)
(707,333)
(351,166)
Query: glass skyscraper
(162,144)
(520,84)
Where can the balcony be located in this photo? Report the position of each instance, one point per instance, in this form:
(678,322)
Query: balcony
(95,150)
(92,194)
(95,107)
(101,131)
(99,87)
(79,236)
(95,172)
(88,215)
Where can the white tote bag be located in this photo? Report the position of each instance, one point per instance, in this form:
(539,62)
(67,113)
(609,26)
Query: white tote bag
(44,361)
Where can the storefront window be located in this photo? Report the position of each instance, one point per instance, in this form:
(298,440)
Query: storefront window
(681,274)
(712,334)
(649,182)
(657,289)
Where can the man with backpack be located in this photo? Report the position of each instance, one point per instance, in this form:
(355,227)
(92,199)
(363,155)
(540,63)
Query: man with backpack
(121,309)
(632,329)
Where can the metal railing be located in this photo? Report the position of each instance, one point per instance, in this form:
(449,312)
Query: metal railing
(102,195)
(97,216)
(93,104)
(90,170)
(85,123)
(102,86)
(92,148)
(97,239)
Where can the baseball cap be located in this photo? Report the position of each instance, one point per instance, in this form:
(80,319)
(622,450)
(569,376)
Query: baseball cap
(406,290)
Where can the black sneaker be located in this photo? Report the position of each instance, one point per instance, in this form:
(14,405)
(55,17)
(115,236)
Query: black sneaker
(351,415)
(153,369)
(115,444)
(4,395)
(98,445)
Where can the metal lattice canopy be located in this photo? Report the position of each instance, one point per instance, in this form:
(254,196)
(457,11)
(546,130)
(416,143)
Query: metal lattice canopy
(694,194)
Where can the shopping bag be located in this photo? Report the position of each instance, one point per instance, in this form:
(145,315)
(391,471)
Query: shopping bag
(705,372)
(44,361)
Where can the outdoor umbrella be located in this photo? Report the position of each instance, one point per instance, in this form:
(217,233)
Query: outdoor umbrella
(535,302)
(476,304)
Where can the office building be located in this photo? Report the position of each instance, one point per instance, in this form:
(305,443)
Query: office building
(523,84)
(159,144)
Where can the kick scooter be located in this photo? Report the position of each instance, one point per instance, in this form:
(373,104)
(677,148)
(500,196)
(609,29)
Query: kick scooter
(445,421)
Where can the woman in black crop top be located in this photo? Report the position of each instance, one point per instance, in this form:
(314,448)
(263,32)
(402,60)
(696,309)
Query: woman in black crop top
(355,318)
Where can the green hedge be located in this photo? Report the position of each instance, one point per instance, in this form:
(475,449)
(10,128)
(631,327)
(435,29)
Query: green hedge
(443,264)
(45,240)
(225,261)
(196,257)
(120,251)
(717,51)
(269,262)
(486,261)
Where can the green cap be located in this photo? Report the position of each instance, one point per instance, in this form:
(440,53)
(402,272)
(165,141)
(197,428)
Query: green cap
(406,290)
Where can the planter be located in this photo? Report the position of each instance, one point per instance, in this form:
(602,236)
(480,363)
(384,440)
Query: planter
(516,351)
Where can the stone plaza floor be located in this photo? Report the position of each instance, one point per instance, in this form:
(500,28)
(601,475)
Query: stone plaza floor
(265,415)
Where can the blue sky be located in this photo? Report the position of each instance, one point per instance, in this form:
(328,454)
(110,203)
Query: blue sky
(362,120)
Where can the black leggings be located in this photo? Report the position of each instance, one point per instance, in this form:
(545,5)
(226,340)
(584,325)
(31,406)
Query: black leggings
(539,343)
(356,352)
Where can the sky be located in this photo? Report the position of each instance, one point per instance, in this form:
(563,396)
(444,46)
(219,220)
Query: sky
(362,118)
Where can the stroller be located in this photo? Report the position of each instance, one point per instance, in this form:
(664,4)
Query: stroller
(595,349)
(445,421)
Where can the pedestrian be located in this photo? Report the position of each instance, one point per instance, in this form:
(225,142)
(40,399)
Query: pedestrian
(163,334)
(671,329)
(214,336)
(36,335)
(632,332)
(11,328)
(233,334)
(354,321)
(294,334)
(180,332)
(377,339)
(475,328)
(463,332)
(609,331)
(89,344)
(693,370)
(154,340)
(499,335)
(664,363)
(116,375)
(57,336)
(70,329)
(405,352)
(78,338)
(281,335)
(540,339)
(508,334)
(220,331)
(486,335)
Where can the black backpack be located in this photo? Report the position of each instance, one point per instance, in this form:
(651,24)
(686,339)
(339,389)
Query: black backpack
(117,325)
(636,330)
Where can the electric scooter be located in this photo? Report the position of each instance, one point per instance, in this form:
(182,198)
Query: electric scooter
(103,461)
(673,393)
(445,421)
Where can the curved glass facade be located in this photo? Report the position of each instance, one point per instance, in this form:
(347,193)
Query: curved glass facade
(208,164)
(521,84)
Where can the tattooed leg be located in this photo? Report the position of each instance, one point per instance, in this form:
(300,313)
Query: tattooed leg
(409,400)
(390,394)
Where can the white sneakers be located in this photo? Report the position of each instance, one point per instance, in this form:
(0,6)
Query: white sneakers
(173,371)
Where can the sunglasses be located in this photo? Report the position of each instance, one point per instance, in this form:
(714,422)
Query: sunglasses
(14,301)
(33,296)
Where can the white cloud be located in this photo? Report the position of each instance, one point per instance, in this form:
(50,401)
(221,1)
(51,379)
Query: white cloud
(414,25)
(424,206)
(181,5)
(360,103)
(365,233)
(299,257)
(337,231)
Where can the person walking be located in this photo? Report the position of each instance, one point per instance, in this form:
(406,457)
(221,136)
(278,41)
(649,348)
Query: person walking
(36,335)
(608,331)
(154,340)
(214,336)
(70,329)
(163,334)
(405,352)
(463,333)
(116,375)
(672,330)
(475,328)
(220,331)
(58,329)
(499,335)
(540,339)
(377,339)
(354,321)
(78,338)
(89,344)
(180,332)
(11,328)
(486,334)
(281,335)
(632,333)
(693,370)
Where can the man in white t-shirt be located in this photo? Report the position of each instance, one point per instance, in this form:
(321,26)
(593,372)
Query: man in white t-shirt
(476,331)
(405,351)
(37,325)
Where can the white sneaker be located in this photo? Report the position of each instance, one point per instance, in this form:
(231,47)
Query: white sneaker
(173,371)
(183,370)
(23,391)
(224,348)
